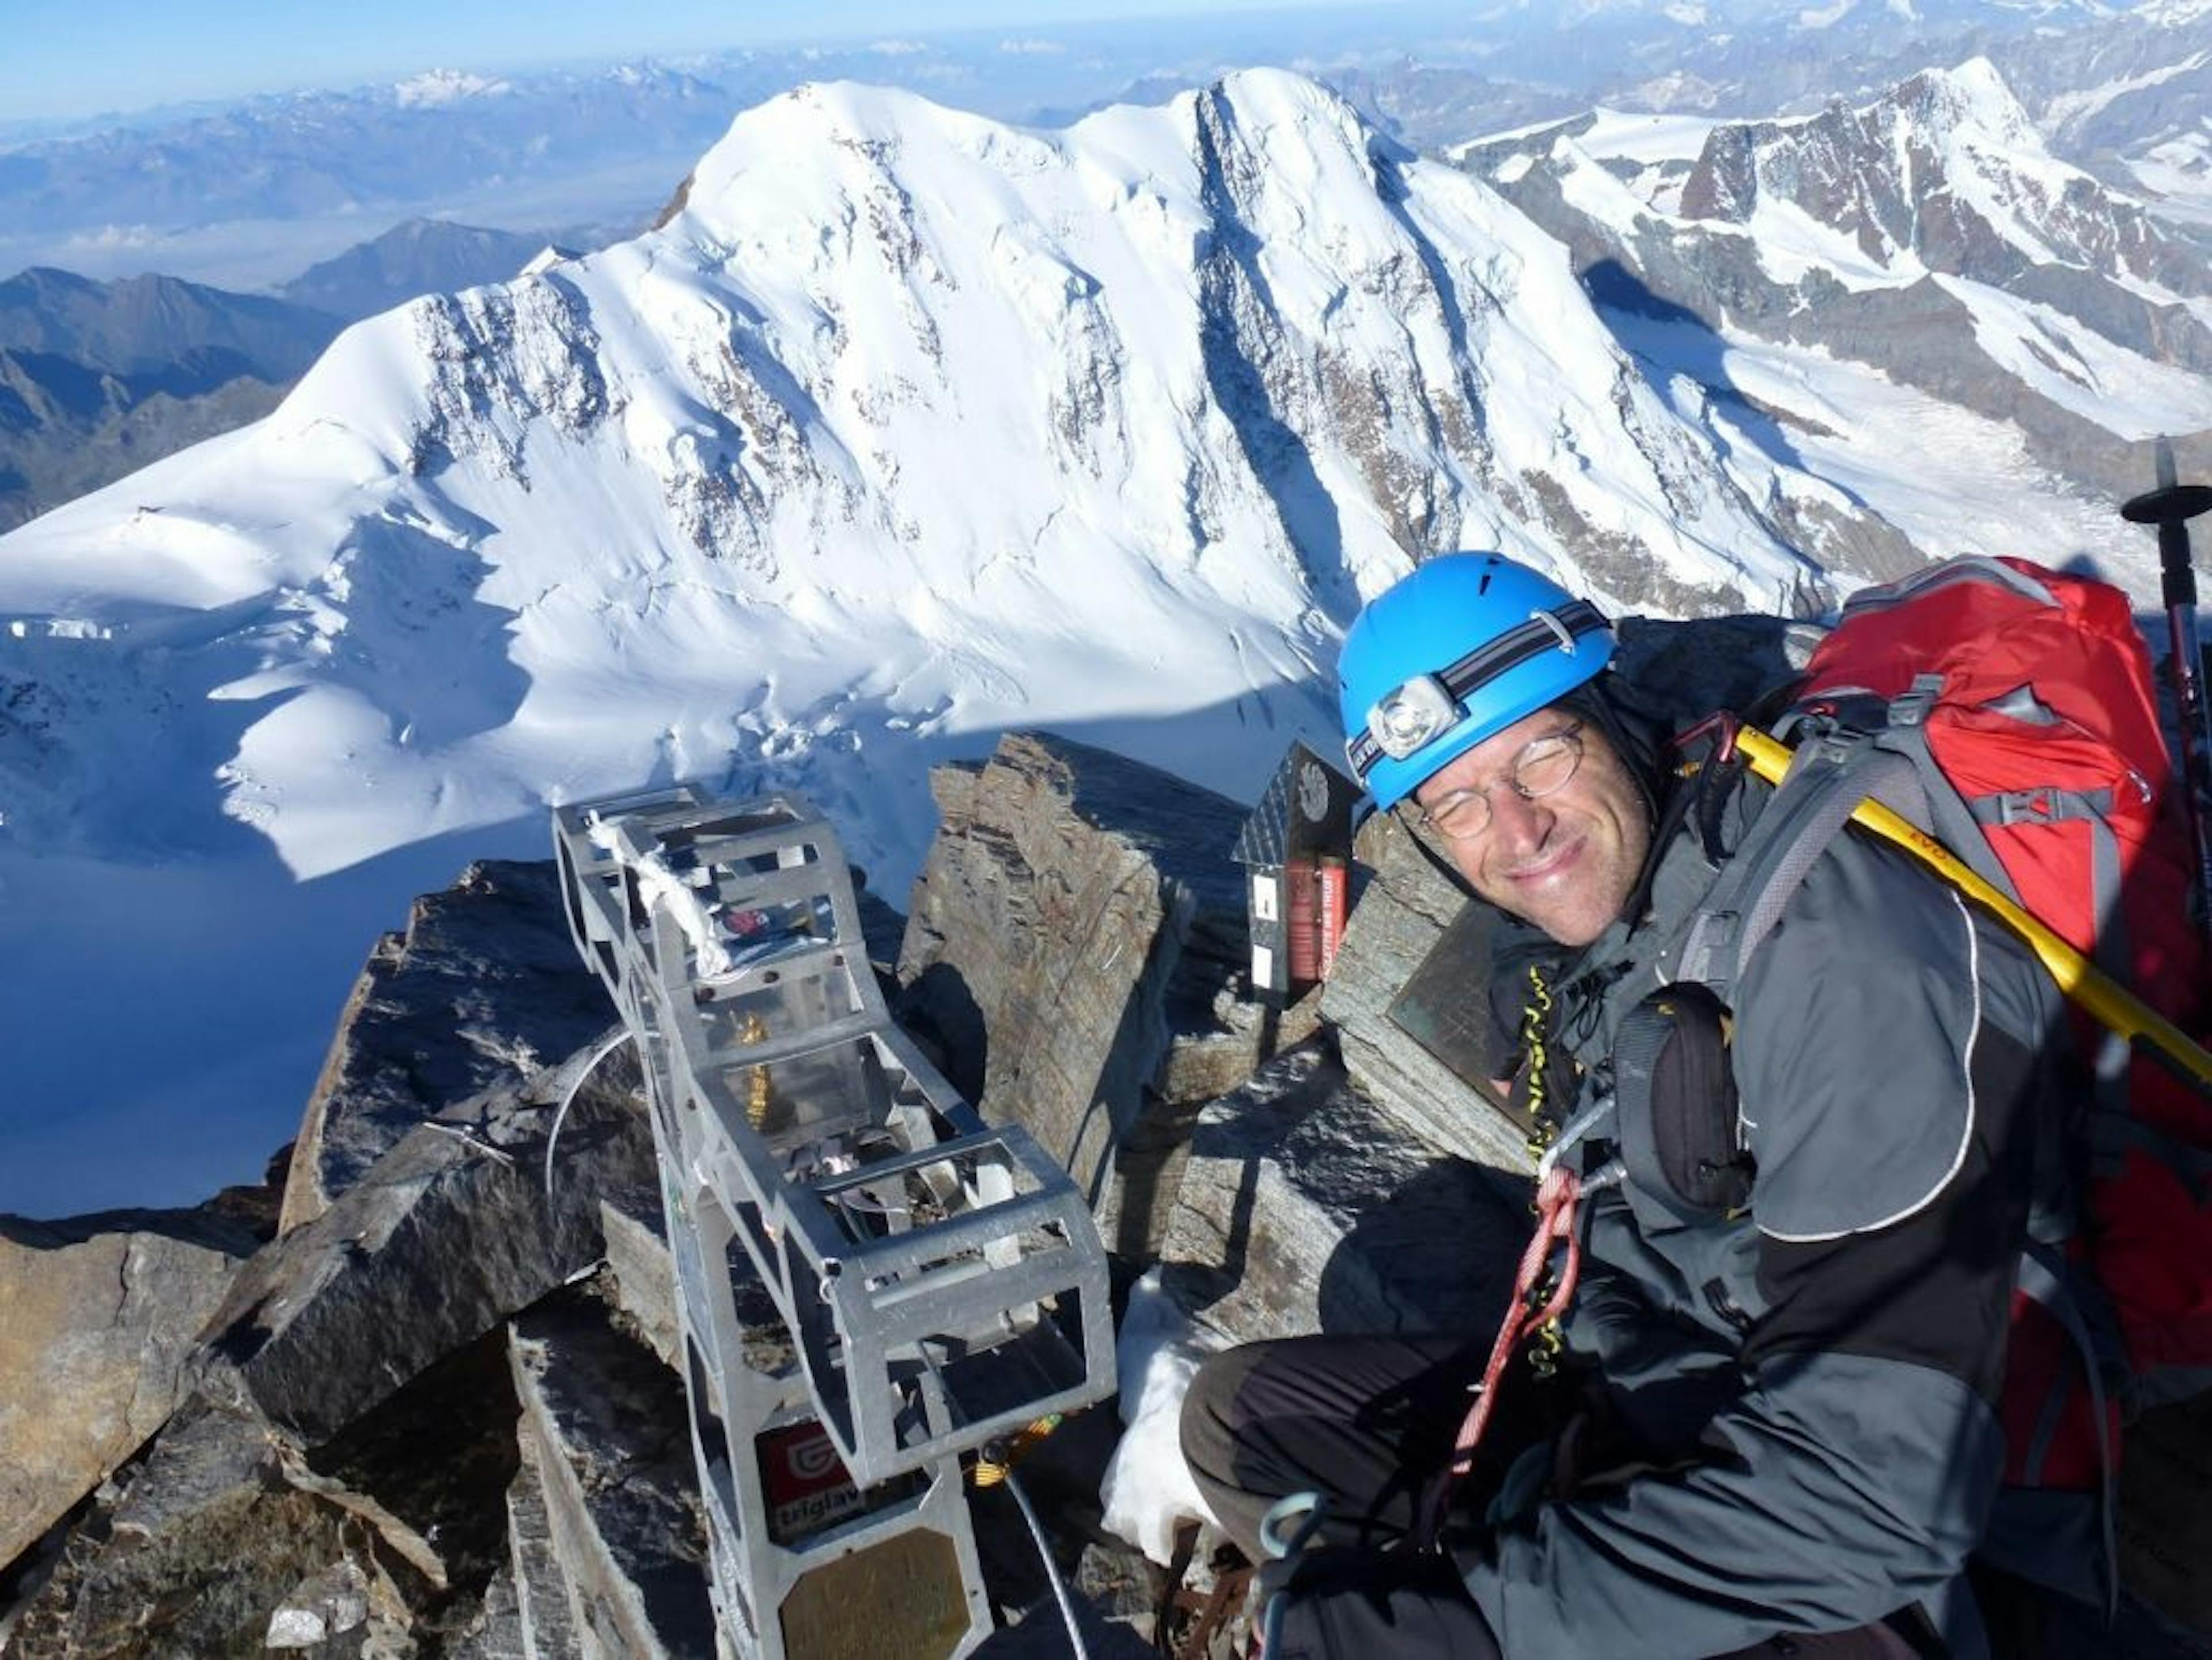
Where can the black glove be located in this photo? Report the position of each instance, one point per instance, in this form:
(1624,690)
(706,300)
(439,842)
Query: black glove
(1333,1602)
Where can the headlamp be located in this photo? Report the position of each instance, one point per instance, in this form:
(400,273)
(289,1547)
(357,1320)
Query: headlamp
(1408,719)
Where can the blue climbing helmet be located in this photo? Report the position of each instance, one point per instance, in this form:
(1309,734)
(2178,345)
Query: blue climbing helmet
(1462,647)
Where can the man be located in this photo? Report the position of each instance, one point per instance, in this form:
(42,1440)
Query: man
(1772,1427)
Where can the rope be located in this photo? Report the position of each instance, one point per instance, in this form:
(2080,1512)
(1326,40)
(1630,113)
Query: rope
(1001,1457)
(1545,1342)
(615,1040)
(1537,1302)
(1051,1568)
(1535,1017)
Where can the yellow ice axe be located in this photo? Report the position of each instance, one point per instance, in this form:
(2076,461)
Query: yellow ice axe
(2112,1004)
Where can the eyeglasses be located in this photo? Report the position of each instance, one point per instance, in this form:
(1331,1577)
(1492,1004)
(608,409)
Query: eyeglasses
(1544,765)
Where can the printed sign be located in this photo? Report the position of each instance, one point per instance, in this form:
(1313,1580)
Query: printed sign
(805,1483)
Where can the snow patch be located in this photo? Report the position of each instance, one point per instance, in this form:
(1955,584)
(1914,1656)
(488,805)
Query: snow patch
(1826,17)
(1148,1490)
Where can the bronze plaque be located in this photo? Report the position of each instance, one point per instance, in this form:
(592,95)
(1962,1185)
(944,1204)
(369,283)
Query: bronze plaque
(903,1596)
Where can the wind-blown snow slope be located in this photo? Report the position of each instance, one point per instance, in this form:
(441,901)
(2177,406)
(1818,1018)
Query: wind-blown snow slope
(909,424)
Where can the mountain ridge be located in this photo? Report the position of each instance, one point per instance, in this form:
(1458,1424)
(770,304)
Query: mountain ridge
(1926,234)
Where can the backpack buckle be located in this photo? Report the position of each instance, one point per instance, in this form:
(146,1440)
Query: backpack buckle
(1910,707)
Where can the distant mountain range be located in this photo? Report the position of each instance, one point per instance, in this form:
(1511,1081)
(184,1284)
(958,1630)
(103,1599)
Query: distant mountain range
(384,151)
(2122,89)
(98,380)
(416,256)
(2123,92)
(1928,234)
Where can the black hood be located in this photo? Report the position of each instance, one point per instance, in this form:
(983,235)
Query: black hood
(1641,742)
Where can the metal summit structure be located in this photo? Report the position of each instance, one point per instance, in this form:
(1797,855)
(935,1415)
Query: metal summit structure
(870,1281)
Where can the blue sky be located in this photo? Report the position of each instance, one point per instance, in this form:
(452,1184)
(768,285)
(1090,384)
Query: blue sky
(71,57)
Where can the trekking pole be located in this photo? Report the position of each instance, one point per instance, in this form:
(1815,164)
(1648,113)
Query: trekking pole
(2170,506)
(2112,1004)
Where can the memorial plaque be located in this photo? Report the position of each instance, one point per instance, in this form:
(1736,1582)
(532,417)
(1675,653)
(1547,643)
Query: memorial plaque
(1445,1007)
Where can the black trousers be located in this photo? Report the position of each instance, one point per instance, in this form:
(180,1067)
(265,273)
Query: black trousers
(1368,1423)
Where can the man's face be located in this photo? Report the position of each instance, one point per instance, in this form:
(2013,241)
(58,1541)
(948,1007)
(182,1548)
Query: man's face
(1565,861)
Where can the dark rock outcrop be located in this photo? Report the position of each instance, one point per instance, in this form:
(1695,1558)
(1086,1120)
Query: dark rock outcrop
(483,988)
(446,1236)
(203,1545)
(1309,1206)
(604,1428)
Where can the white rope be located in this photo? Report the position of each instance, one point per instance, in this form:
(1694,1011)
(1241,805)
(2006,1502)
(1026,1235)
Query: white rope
(613,1041)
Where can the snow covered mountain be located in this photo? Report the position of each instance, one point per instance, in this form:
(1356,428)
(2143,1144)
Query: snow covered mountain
(2120,89)
(1947,171)
(904,428)
(2131,99)
(1927,235)
(907,421)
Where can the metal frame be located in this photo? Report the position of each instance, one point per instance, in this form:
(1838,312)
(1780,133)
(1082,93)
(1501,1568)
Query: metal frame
(932,1283)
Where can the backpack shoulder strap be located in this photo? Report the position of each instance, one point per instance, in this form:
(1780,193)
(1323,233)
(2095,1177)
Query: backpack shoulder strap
(1827,781)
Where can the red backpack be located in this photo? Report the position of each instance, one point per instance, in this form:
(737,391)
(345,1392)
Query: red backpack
(2010,711)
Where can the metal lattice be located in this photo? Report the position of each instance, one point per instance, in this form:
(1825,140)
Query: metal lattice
(854,1248)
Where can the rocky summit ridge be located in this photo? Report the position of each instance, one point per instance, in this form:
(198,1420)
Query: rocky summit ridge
(438,1413)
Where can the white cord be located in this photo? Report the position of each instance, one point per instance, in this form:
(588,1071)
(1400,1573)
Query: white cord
(1051,1571)
(463,1133)
(614,1041)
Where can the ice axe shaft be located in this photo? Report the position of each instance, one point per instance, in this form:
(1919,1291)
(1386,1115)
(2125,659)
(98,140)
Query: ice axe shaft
(2170,506)
(2105,998)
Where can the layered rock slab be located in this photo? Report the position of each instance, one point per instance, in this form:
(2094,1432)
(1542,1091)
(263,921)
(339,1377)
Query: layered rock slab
(449,1234)
(1072,947)
(1309,1206)
(98,1318)
(603,1429)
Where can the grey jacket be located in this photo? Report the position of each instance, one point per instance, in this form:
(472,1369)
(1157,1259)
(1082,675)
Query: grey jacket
(1812,1380)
